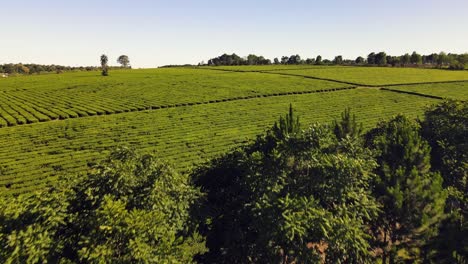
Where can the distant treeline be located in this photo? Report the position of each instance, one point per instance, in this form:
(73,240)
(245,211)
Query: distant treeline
(434,60)
(31,68)
(20,68)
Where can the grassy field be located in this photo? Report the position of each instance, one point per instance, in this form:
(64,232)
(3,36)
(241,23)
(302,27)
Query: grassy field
(361,75)
(56,124)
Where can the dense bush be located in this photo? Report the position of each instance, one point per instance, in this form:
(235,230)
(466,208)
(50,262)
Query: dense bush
(445,126)
(128,209)
(412,197)
(291,196)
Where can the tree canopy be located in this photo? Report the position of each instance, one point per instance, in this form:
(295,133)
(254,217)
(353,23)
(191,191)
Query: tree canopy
(130,208)
(124,61)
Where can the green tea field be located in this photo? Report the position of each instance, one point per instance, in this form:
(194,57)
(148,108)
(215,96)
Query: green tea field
(57,124)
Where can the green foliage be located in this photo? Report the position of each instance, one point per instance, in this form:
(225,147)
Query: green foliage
(416,58)
(360,60)
(318,60)
(128,209)
(377,76)
(290,199)
(446,128)
(347,127)
(411,195)
(104,66)
(124,61)
(454,90)
(289,125)
(338,60)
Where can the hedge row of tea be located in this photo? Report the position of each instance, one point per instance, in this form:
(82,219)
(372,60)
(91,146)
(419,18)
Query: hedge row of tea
(187,115)
(372,76)
(33,99)
(34,155)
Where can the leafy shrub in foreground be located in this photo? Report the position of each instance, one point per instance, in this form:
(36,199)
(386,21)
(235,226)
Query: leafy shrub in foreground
(446,128)
(412,197)
(128,209)
(289,197)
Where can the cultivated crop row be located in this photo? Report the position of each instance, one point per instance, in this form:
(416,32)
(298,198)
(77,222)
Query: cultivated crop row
(33,156)
(458,90)
(125,92)
(373,76)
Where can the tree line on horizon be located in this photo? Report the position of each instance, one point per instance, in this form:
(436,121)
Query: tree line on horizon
(31,68)
(325,193)
(435,60)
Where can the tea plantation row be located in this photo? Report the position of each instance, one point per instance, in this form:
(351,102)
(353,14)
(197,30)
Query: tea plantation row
(34,155)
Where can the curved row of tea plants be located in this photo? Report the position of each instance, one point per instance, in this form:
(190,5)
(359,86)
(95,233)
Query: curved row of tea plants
(379,76)
(35,155)
(35,99)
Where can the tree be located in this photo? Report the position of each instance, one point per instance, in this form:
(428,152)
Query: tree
(276,61)
(432,59)
(294,59)
(124,60)
(347,127)
(310,61)
(129,209)
(284,59)
(442,59)
(405,59)
(411,195)
(22,69)
(360,60)
(445,126)
(338,60)
(381,58)
(104,67)
(318,60)
(289,198)
(252,59)
(416,58)
(371,58)
(288,125)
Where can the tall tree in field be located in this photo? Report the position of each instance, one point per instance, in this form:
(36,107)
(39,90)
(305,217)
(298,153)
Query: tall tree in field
(124,61)
(104,66)
(412,196)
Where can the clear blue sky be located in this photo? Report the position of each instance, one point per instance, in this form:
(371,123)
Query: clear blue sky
(154,33)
